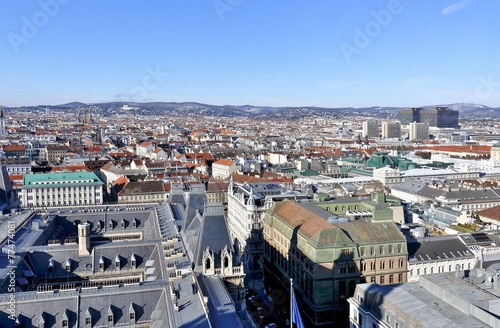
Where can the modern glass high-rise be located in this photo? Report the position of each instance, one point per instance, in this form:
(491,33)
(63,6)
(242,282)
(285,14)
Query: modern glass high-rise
(436,116)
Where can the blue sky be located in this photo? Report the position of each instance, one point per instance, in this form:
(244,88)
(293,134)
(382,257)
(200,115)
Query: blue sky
(277,53)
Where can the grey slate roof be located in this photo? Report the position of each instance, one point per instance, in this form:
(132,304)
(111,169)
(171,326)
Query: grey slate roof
(150,300)
(196,203)
(213,234)
(144,299)
(438,249)
(417,306)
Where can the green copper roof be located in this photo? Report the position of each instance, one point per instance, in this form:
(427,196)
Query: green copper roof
(61,179)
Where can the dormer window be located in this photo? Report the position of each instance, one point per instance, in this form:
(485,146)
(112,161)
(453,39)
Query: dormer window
(68,265)
(51,266)
(122,224)
(65,319)
(131,313)
(101,263)
(134,223)
(111,224)
(133,261)
(110,316)
(117,262)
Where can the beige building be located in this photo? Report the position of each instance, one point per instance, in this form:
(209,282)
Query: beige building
(370,129)
(217,192)
(419,131)
(56,153)
(495,152)
(326,260)
(223,168)
(391,129)
(143,192)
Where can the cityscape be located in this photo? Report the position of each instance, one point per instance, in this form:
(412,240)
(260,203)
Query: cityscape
(245,164)
(202,220)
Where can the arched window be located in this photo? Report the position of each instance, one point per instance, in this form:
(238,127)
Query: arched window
(207,264)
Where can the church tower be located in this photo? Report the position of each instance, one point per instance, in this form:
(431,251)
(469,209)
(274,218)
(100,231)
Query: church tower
(2,123)
(83,239)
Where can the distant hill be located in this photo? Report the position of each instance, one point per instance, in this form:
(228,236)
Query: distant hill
(194,108)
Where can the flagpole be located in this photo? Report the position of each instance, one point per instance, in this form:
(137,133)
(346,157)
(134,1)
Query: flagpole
(291,302)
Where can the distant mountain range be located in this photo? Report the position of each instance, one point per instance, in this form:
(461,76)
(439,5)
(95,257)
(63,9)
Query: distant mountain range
(193,108)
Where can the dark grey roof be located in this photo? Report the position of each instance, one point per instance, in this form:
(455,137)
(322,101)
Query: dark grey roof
(213,235)
(54,307)
(220,305)
(438,249)
(316,210)
(196,203)
(144,187)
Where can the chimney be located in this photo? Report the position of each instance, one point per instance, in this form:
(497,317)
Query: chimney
(84,239)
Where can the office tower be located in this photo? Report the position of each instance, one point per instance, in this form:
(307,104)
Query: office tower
(419,131)
(370,129)
(391,129)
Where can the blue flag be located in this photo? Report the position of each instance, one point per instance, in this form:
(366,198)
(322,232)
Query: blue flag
(296,319)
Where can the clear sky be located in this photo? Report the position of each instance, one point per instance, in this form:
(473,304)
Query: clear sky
(328,53)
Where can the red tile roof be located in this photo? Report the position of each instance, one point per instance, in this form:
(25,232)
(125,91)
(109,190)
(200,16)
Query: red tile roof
(225,162)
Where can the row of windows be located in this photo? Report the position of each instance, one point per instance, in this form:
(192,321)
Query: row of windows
(382,265)
(391,279)
(145,197)
(440,269)
(343,269)
(382,249)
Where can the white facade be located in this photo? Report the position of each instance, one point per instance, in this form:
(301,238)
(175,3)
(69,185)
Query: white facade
(245,217)
(495,152)
(416,269)
(222,169)
(61,189)
(387,175)
(275,158)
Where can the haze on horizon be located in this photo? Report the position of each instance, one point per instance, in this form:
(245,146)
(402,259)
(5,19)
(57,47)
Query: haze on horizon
(311,53)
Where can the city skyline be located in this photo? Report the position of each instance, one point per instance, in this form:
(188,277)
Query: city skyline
(386,53)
